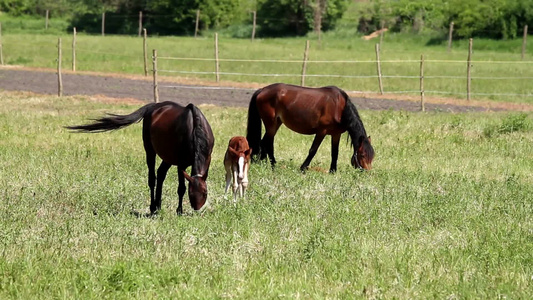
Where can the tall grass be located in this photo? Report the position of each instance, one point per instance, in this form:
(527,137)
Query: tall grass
(445,72)
(445,213)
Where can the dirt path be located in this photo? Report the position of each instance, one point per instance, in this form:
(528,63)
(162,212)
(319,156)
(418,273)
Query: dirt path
(140,88)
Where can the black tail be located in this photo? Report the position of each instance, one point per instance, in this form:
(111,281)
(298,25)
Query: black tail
(253,131)
(113,122)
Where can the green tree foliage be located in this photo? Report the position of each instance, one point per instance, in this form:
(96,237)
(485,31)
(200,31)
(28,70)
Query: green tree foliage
(179,16)
(57,8)
(472,18)
(296,17)
(165,17)
(16,7)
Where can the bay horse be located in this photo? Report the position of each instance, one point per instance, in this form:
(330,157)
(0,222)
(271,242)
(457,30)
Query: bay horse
(237,164)
(319,111)
(180,136)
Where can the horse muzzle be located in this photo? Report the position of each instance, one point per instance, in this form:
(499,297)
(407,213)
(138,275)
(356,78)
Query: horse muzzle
(202,209)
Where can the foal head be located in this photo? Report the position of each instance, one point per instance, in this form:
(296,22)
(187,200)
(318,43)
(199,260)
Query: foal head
(197,191)
(241,158)
(364,154)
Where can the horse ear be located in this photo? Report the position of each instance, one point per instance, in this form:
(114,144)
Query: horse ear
(248,152)
(369,139)
(189,178)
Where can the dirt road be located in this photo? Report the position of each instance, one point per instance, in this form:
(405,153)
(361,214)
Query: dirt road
(45,82)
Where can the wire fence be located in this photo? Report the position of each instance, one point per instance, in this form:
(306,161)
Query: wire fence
(379,76)
(373,83)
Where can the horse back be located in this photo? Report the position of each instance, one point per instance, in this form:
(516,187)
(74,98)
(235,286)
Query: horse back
(302,109)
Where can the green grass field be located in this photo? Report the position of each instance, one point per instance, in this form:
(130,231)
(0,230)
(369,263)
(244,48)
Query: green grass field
(445,213)
(506,79)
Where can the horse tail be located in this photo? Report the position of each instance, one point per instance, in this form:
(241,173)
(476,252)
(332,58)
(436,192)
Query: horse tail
(114,122)
(253,130)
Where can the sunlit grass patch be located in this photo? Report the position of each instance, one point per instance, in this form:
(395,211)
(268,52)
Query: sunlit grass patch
(446,211)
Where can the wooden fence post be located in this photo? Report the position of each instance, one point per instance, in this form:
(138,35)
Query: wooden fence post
(46,22)
(217,66)
(154,62)
(74,49)
(468,70)
(1,50)
(144,53)
(103,23)
(59,79)
(524,41)
(197,22)
(422,105)
(304,65)
(450,37)
(253,26)
(140,22)
(380,81)
(382,32)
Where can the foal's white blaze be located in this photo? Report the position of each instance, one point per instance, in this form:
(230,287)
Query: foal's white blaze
(241,167)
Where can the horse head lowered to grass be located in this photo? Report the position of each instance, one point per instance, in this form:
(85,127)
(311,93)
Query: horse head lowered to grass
(319,111)
(180,136)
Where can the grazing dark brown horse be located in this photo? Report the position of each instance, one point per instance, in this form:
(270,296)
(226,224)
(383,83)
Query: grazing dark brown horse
(180,136)
(319,111)
(237,163)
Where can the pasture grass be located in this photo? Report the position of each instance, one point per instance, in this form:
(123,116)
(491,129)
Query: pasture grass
(32,25)
(445,213)
(445,72)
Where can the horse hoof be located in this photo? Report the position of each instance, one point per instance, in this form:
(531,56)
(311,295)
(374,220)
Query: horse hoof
(154,210)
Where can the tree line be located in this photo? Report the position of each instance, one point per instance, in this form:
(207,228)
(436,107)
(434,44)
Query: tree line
(472,18)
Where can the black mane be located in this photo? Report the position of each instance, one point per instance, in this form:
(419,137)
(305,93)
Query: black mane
(351,120)
(199,138)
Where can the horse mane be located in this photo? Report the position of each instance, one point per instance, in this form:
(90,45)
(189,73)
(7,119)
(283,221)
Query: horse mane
(199,137)
(352,121)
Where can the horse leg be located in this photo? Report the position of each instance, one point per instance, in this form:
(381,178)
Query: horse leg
(235,183)
(228,178)
(244,187)
(240,189)
(161,175)
(150,162)
(267,144)
(319,137)
(245,179)
(181,191)
(335,139)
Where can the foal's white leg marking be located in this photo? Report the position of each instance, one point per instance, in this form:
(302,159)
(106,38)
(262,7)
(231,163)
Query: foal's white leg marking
(241,167)
(245,179)
(235,183)
(241,175)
